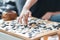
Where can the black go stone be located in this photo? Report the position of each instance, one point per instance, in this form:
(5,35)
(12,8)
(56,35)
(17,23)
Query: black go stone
(32,23)
(24,33)
(58,25)
(13,26)
(4,26)
(54,26)
(36,28)
(30,35)
(49,28)
(25,26)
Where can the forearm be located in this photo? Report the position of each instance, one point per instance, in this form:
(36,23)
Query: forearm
(29,4)
(58,12)
(52,13)
(49,13)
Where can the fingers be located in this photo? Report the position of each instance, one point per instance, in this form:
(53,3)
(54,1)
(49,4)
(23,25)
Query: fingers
(45,18)
(23,19)
(20,19)
(30,14)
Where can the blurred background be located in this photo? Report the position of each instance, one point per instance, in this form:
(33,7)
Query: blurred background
(15,5)
(7,4)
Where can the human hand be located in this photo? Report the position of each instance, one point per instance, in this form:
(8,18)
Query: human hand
(24,15)
(47,16)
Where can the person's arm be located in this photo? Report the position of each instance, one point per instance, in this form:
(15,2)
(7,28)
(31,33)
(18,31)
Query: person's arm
(58,12)
(29,4)
(47,15)
(26,12)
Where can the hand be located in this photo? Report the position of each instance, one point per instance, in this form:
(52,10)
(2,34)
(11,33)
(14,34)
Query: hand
(24,15)
(47,16)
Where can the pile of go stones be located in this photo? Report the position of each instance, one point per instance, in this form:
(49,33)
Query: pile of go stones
(34,27)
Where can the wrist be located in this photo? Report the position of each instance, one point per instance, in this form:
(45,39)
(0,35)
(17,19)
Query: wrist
(26,8)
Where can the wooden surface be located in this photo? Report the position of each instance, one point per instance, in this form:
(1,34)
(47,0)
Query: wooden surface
(46,33)
(37,37)
(58,33)
(34,38)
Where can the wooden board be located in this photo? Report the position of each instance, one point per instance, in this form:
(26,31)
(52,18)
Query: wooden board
(25,38)
(50,32)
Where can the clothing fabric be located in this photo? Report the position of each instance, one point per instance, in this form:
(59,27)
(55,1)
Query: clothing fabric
(55,18)
(43,6)
(19,5)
